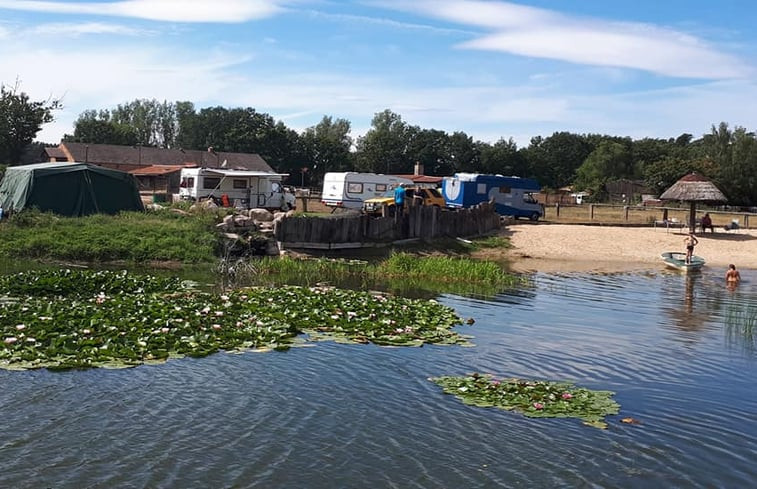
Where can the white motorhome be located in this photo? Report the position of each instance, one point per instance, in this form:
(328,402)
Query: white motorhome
(243,188)
(350,189)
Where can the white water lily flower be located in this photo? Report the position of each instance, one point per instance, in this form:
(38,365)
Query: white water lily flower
(86,331)
(224,297)
(20,327)
(10,340)
(219,313)
(45,318)
(164,330)
(142,343)
(31,340)
(206,309)
(216,327)
(334,316)
(462,389)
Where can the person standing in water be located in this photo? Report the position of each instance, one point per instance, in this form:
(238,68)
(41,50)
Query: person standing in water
(732,276)
(690,241)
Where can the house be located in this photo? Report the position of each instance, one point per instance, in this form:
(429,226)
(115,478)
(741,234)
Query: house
(157,169)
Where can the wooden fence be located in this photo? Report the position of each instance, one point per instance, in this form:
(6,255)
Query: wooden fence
(359,231)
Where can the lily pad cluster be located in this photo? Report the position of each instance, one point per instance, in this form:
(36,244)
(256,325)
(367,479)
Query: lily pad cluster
(532,398)
(84,319)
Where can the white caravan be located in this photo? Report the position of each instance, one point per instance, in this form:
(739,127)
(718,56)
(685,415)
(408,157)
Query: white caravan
(238,188)
(350,189)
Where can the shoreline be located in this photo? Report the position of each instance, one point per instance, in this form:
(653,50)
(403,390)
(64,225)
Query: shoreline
(583,248)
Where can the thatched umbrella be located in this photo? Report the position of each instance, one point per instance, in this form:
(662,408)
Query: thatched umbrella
(693,188)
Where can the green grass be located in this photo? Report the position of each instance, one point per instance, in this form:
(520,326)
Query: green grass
(400,273)
(129,236)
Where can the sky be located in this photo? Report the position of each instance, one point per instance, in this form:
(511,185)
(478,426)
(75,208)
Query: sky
(492,69)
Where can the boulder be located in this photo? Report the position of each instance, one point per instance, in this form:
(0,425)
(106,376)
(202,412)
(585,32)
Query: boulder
(261,215)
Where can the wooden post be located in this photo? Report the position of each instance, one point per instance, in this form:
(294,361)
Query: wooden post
(591,212)
(557,210)
(625,212)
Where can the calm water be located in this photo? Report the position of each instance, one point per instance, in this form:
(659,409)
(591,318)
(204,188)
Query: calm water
(339,416)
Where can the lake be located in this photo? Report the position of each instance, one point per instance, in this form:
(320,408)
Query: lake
(676,350)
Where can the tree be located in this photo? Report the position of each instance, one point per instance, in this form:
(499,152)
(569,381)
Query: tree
(554,160)
(326,147)
(610,161)
(97,128)
(504,158)
(20,121)
(383,148)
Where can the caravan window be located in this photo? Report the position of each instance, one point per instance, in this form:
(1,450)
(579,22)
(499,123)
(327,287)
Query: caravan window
(240,183)
(380,187)
(187,182)
(355,188)
(505,190)
(481,188)
(209,183)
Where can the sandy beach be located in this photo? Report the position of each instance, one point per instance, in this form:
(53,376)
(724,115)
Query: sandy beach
(578,248)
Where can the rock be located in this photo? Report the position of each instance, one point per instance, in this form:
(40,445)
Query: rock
(272,248)
(261,215)
(244,222)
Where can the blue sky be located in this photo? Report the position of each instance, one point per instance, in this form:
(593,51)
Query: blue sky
(492,69)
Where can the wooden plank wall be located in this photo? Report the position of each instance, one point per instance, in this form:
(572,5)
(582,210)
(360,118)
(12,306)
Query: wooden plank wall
(358,230)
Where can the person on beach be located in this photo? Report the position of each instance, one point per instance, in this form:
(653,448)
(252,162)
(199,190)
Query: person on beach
(732,276)
(690,241)
(707,223)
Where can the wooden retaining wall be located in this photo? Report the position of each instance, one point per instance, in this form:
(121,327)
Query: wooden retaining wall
(358,231)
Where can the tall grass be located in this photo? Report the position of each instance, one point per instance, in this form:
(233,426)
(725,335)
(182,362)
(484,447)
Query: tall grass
(741,327)
(401,272)
(129,236)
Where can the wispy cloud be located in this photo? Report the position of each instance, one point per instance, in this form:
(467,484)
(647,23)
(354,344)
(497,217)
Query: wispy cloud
(87,28)
(541,33)
(384,22)
(226,11)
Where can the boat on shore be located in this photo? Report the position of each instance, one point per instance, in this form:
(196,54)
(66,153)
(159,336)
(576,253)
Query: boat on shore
(677,260)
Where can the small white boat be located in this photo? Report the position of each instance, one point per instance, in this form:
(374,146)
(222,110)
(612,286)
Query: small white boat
(677,260)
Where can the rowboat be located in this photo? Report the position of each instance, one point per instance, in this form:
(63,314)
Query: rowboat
(677,260)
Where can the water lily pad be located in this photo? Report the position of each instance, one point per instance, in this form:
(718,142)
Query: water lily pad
(532,398)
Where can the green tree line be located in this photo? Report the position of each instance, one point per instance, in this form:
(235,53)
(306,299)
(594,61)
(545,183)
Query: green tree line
(588,162)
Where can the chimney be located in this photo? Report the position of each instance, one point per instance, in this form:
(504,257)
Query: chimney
(418,170)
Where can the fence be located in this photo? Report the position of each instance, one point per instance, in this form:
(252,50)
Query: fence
(638,215)
(358,231)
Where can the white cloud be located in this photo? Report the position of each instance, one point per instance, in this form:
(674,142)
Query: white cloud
(76,30)
(540,33)
(226,11)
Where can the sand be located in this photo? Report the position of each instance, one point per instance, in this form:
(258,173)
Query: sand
(579,248)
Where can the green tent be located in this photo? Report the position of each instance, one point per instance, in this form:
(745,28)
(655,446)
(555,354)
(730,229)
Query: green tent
(70,189)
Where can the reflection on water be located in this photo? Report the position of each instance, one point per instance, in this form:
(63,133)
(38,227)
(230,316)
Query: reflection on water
(363,416)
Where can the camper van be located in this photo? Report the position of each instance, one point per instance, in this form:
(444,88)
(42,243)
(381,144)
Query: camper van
(513,196)
(350,189)
(237,188)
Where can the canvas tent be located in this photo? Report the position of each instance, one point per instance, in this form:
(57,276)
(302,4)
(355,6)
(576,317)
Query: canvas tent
(70,189)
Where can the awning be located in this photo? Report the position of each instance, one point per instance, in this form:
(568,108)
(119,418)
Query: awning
(244,173)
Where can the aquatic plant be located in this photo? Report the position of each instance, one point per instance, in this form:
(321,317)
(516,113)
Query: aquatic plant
(82,282)
(401,272)
(532,398)
(112,319)
(741,327)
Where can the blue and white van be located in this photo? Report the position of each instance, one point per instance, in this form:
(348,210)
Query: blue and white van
(513,196)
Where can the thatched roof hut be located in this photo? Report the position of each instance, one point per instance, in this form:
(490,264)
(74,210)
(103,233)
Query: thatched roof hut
(694,188)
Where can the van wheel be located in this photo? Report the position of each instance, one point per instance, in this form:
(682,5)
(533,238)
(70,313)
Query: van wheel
(534,217)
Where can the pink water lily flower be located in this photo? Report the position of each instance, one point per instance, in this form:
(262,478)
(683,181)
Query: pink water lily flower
(567,395)
(538,406)
(11,339)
